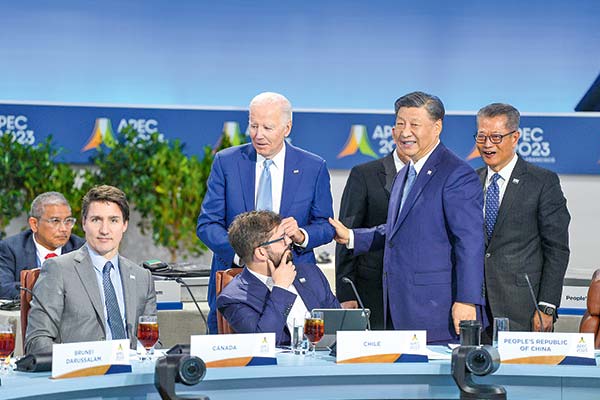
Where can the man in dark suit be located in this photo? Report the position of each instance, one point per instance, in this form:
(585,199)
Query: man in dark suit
(92,293)
(365,205)
(526,222)
(268,174)
(432,240)
(50,222)
(272,290)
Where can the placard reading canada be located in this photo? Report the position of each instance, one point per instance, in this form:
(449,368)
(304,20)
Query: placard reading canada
(71,360)
(546,348)
(381,346)
(236,350)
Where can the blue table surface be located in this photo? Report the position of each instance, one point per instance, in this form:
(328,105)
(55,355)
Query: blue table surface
(294,374)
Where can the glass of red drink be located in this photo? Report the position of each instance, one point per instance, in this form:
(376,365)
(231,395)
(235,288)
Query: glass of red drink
(147,334)
(314,328)
(7,346)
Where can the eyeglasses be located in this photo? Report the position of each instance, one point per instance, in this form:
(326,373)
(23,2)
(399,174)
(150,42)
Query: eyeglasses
(495,138)
(273,241)
(56,222)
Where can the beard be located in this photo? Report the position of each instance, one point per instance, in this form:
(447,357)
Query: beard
(276,258)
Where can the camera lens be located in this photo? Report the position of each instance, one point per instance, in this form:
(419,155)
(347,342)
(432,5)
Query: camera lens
(191,370)
(479,362)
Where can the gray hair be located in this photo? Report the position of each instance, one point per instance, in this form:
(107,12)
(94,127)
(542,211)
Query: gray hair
(433,105)
(276,100)
(46,199)
(513,117)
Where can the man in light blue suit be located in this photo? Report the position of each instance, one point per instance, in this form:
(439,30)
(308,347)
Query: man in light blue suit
(433,239)
(272,291)
(267,174)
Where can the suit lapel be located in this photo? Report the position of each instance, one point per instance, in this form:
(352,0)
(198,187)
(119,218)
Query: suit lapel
(129,291)
(423,178)
(292,176)
(247,174)
(389,172)
(85,270)
(308,296)
(513,188)
(31,260)
(482,172)
(395,198)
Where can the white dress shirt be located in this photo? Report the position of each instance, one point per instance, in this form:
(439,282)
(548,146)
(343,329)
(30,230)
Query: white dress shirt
(41,252)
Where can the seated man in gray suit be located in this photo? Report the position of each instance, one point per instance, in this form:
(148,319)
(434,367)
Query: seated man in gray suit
(92,293)
(50,222)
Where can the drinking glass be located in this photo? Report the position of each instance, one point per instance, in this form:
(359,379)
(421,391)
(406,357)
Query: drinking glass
(500,325)
(7,346)
(147,335)
(314,328)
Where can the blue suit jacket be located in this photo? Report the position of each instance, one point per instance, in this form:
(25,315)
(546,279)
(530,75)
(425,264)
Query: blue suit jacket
(249,306)
(433,250)
(18,253)
(306,196)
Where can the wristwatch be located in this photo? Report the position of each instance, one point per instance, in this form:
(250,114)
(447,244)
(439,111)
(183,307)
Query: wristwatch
(548,311)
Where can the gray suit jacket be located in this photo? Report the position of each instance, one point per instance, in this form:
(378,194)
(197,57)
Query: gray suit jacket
(530,236)
(69,289)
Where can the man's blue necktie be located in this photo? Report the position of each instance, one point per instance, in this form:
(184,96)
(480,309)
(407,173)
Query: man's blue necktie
(492,205)
(410,180)
(264,200)
(115,322)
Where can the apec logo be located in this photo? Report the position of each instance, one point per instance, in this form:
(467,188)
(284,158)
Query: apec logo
(103,131)
(358,141)
(532,146)
(16,125)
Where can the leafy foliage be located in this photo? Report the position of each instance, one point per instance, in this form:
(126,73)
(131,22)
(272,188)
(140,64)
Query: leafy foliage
(26,171)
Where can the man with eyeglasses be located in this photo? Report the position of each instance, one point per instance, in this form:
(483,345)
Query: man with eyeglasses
(49,235)
(271,291)
(526,225)
(93,293)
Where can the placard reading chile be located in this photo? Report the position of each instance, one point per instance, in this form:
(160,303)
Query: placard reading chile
(381,347)
(565,143)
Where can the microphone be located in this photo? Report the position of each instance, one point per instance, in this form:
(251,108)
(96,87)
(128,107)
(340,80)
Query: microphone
(347,280)
(37,299)
(537,309)
(182,282)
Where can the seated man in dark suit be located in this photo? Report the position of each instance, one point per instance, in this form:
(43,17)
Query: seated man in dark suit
(271,291)
(50,223)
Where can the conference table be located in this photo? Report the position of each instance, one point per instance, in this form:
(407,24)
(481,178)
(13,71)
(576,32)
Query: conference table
(303,377)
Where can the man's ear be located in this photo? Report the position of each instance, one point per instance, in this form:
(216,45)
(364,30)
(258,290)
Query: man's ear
(260,254)
(33,224)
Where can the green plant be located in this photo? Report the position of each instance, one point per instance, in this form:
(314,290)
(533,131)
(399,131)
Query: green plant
(27,171)
(164,184)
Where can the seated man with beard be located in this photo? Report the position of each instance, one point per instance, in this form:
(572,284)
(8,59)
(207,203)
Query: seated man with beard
(271,291)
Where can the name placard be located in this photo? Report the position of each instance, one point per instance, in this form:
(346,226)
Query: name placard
(381,346)
(168,295)
(236,350)
(546,348)
(71,360)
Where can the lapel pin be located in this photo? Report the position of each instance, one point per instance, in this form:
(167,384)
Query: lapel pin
(296,171)
(515,181)
(302,280)
(428,172)
(131,276)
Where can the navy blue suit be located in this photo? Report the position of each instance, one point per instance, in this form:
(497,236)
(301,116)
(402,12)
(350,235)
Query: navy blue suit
(306,196)
(433,250)
(18,253)
(249,307)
